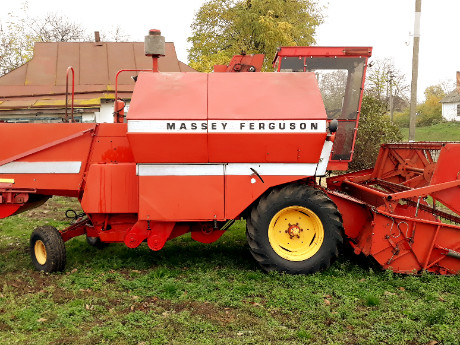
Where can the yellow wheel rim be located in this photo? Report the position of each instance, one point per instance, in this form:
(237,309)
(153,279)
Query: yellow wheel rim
(40,252)
(296,233)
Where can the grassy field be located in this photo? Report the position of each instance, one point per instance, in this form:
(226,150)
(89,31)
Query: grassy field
(192,293)
(448,131)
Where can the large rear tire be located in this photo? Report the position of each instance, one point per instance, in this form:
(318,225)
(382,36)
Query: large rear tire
(47,249)
(295,229)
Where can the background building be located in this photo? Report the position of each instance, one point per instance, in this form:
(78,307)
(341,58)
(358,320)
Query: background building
(36,91)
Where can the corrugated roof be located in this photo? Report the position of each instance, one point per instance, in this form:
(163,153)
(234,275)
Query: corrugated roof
(41,82)
(452,97)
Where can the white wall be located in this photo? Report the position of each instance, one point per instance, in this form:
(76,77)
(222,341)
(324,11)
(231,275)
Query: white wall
(105,115)
(449,111)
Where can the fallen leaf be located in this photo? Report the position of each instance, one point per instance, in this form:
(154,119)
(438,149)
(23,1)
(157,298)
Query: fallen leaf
(432,342)
(442,299)
(74,270)
(136,271)
(327,302)
(402,289)
(239,334)
(388,293)
(42,319)
(362,280)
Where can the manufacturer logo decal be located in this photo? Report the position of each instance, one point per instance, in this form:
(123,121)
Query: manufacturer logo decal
(226,126)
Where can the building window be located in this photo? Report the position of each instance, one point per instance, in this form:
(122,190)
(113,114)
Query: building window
(458,110)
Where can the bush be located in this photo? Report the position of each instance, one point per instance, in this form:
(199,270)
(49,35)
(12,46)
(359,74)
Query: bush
(401,119)
(425,119)
(374,129)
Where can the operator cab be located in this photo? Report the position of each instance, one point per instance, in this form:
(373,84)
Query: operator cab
(340,75)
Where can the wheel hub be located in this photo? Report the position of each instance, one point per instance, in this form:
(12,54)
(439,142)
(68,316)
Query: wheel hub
(40,252)
(294,230)
(295,233)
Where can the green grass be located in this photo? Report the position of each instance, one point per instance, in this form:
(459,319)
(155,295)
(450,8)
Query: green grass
(447,131)
(192,293)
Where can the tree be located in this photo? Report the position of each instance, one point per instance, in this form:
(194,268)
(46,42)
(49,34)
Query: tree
(54,27)
(15,42)
(223,28)
(374,129)
(430,112)
(384,79)
(332,85)
(20,32)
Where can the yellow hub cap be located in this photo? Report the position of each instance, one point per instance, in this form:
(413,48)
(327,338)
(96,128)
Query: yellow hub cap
(296,233)
(40,252)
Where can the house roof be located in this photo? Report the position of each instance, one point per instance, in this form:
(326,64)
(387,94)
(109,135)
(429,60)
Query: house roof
(452,97)
(41,82)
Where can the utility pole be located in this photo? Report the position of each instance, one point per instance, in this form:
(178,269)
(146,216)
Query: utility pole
(391,77)
(413,91)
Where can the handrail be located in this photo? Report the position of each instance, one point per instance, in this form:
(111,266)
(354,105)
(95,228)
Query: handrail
(126,70)
(70,68)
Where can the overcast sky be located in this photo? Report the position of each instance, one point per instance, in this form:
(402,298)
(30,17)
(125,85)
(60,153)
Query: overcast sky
(385,25)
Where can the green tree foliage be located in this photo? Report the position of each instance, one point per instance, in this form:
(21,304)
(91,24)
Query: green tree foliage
(223,28)
(401,119)
(430,112)
(375,129)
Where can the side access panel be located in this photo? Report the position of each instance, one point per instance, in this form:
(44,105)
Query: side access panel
(181,192)
(111,188)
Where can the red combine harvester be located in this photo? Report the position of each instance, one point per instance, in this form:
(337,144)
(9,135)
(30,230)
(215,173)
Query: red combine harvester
(197,151)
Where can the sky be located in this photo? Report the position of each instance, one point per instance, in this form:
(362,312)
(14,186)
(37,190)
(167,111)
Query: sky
(386,25)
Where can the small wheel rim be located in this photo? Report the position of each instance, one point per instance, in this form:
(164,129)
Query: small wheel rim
(40,252)
(296,233)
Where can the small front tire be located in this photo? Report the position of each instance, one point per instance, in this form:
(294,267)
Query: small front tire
(47,249)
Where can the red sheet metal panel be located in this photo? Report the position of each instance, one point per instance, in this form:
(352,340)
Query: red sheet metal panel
(272,96)
(265,117)
(448,169)
(53,162)
(169,96)
(242,190)
(275,148)
(181,192)
(111,188)
(166,116)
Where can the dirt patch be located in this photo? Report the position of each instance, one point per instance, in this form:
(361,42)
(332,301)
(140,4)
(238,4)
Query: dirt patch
(205,310)
(38,282)
(54,208)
